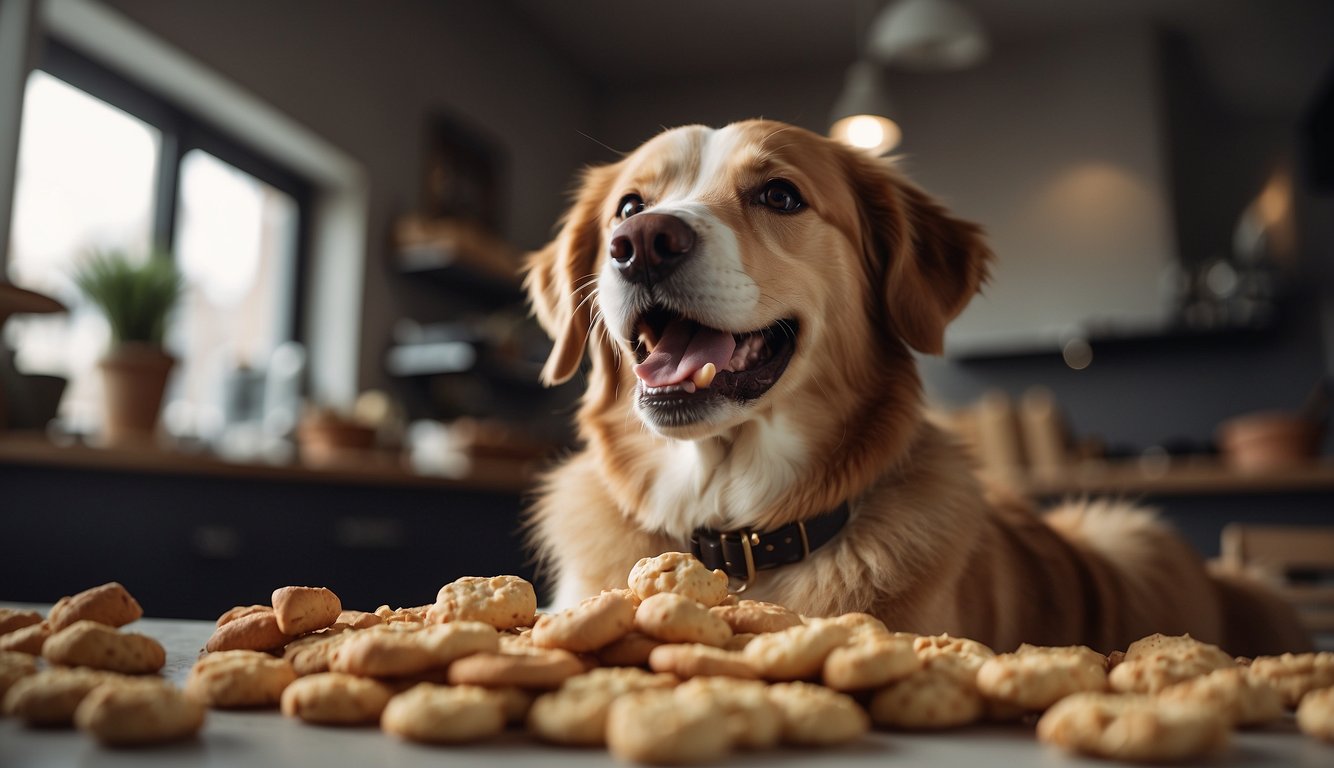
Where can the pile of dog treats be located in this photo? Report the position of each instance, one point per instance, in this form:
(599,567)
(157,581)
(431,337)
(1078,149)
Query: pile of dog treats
(671,670)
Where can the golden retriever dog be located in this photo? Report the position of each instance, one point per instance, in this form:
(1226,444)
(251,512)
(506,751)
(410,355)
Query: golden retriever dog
(749,300)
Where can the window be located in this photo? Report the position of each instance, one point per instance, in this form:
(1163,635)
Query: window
(105,165)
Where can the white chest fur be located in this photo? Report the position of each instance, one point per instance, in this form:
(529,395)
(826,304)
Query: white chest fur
(723,482)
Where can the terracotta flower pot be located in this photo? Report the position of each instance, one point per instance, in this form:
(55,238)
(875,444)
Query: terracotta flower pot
(134,377)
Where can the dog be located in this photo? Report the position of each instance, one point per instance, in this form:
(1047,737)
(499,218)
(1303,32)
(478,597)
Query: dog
(746,303)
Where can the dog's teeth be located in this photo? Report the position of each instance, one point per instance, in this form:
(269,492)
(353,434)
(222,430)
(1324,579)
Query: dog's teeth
(704,376)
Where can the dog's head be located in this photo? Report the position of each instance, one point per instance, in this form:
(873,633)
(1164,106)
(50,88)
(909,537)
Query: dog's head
(747,265)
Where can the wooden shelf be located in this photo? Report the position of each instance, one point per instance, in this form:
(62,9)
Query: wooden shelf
(489,474)
(1183,477)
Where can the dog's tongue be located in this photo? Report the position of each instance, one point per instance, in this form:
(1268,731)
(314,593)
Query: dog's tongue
(685,347)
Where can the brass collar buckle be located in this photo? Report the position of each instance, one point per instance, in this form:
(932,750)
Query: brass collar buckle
(749,539)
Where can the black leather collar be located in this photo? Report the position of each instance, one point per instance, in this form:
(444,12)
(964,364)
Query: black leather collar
(742,553)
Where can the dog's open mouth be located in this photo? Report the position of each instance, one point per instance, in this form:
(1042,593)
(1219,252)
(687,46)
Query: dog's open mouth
(680,358)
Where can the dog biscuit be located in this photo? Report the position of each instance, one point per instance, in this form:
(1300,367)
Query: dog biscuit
(1294,674)
(1133,727)
(95,645)
(596,622)
(632,650)
(413,615)
(659,728)
(49,697)
(968,653)
(1035,677)
(236,612)
(753,720)
(796,653)
(756,617)
(13,618)
(1315,714)
(576,714)
(1179,646)
(255,631)
(869,660)
(687,660)
(310,655)
(138,713)
(679,573)
(384,652)
(544,668)
(13,666)
(335,698)
(675,618)
(1243,700)
(29,639)
(861,623)
(238,680)
(305,609)
(932,698)
(444,714)
(814,716)
(1153,673)
(358,620)
(504,602)
(108,604)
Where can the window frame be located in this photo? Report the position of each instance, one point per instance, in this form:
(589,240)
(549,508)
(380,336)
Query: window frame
(181,131)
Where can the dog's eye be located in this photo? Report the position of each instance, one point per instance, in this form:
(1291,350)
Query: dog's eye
(781,196)
(629,206)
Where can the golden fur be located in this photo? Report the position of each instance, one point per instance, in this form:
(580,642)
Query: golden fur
(873,269)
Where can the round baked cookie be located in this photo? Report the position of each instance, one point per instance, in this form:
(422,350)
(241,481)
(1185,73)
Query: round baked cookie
(630,651)
(594,623)
(863,623)
(816,716)
(1150,674)
(386,652)
(305,609)
(576,717)
(753,720)
(932,698)
(253,631)
(687,660)
(619,680)
(756,617)
(1243,700)
(659,728)
(679,573)
(108,604)
(29,639)
(1133,727)
(969,653)
(95,645)
(543,669)
(238,680)
(358,620)
(504,602)
(1294,674)
(13,667)
(49,697)
(870,660)
(1179,646)
(310,655)
(236,612)
(1315,714)
(675,618)
(795,653)
(444,714)
(334,698)
(15,618)
(137,713)
(1035,677)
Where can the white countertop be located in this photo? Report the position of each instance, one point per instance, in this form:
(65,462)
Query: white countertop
(261,739)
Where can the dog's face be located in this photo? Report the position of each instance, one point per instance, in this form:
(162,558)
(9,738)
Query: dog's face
(738,268)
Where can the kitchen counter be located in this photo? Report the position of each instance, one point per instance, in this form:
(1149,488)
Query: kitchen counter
(249,739)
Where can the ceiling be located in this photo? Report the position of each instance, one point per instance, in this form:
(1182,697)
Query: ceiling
(1258,54)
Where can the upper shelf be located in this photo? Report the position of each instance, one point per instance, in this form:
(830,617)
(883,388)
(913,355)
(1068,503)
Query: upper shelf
(1188,477)
(460,253)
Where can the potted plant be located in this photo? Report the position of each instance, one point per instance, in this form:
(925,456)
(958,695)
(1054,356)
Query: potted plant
(136,299)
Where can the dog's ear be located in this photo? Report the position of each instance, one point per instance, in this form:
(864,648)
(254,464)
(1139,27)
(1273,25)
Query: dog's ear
(559,278)
(930,262)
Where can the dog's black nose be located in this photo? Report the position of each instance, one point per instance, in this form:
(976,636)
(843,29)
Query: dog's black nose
(646,247)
